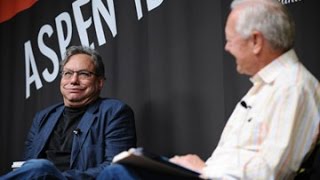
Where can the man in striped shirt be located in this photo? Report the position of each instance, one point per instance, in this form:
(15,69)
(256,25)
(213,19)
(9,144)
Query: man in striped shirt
(276,123)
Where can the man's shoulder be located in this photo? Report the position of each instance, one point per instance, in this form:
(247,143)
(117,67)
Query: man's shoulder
(112,103)
(296,75)
(111,100)
(111,106)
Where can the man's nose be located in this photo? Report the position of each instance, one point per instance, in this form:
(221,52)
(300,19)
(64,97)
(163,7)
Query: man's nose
(74,77)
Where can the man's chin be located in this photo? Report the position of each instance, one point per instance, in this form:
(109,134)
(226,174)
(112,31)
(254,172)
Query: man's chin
(75,100)
(75,104)
(239,70)
(242,72)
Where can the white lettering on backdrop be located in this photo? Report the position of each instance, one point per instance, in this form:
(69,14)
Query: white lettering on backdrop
(63,22)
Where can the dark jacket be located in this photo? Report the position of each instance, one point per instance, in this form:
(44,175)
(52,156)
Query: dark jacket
(106,129)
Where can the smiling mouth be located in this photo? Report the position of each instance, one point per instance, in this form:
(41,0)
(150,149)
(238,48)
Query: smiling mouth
(74,90)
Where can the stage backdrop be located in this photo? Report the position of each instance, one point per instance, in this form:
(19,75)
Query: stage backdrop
(165,58)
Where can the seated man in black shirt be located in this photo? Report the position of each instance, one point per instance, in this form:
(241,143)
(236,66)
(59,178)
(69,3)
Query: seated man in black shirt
(76,139)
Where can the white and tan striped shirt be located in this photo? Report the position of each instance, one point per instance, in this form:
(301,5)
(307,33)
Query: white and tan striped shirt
(269,134)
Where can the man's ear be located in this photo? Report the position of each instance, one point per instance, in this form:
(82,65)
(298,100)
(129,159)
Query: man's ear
(257,41)
(101,83)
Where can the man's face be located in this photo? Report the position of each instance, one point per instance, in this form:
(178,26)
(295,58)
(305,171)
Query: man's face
(79,85)
(239,47)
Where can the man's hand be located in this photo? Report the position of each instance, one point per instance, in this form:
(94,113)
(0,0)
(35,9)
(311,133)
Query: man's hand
(190,161)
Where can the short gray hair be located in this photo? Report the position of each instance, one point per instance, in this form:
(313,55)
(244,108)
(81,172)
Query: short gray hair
(269,17)
(95,57)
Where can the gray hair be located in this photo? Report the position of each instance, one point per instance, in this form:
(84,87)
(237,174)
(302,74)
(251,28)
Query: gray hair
(95,58)
(269,17)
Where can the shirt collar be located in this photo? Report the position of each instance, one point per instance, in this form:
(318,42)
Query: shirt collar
(270,72)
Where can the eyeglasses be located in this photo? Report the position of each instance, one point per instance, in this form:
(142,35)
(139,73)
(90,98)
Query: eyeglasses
(82,74)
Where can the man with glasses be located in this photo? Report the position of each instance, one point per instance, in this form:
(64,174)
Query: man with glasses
(76,139)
